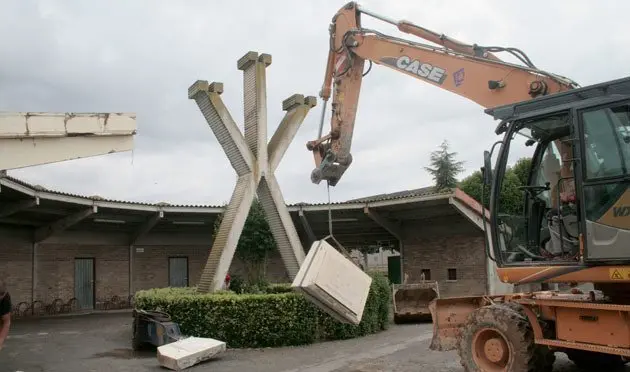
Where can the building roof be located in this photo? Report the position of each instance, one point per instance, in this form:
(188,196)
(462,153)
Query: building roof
(354,220)
(430,190)
(28,188)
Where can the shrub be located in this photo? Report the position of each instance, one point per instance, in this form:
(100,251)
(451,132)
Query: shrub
(236,284)
(241,320)
(276,316)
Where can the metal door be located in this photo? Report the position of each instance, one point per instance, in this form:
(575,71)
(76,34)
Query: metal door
(84,282)
(394,269)
(178,272)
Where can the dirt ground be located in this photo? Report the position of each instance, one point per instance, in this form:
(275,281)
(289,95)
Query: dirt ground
(101,343)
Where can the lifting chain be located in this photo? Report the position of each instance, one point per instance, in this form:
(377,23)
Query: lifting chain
(339,247)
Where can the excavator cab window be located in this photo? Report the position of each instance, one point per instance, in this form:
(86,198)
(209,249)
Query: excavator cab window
(575,204)
(606,175)
(538,224)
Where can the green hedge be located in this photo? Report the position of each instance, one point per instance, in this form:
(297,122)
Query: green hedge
(275,316)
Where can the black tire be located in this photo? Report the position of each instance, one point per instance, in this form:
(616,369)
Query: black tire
(546,357)
(591,361)
(514,333)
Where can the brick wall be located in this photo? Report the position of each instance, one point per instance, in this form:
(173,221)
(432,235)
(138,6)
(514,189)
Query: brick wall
(437,245)
(151,266)
(55,265)
(444,243)
(15,262)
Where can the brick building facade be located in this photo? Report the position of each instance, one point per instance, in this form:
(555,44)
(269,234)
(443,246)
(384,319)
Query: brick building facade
(450,250)
(46,271)
(118,250)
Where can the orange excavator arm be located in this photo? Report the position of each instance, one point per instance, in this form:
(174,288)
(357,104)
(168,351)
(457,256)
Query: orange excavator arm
(470,71)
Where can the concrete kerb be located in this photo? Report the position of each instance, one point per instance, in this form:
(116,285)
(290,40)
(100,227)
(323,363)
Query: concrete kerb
(72,315)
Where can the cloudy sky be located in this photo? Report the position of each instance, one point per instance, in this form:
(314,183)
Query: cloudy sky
(141,56)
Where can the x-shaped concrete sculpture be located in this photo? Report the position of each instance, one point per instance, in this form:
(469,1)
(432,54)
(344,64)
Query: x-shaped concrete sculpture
(254,162)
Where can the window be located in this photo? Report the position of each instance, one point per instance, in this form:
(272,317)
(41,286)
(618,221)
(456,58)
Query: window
(606,154)
(426,273)
(452,274)
(607,141)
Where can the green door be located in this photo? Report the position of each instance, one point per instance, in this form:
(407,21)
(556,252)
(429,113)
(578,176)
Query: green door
(393,269)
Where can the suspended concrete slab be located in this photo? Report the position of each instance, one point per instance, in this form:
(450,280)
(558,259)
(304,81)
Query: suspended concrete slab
(333,283)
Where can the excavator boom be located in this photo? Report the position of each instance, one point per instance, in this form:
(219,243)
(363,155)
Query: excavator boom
(470,71)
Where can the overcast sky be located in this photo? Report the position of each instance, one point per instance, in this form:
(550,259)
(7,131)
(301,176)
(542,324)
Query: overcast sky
(141,56)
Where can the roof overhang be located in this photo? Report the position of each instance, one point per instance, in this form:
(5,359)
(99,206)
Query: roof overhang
(108,204)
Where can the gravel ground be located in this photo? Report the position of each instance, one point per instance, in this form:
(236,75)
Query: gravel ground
(101,343)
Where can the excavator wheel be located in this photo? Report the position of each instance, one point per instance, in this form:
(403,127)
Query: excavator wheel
(592,361)
(499,338)
(546,357)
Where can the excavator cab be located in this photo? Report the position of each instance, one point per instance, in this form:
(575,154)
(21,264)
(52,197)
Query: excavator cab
(573,208)
(569,223)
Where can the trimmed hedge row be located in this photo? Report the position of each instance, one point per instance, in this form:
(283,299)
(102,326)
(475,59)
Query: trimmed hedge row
(277,317)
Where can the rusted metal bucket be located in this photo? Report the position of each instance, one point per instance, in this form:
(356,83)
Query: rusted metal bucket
(449,317)
(411,301)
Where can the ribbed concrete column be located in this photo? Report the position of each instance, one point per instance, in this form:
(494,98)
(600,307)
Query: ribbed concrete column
(254,161)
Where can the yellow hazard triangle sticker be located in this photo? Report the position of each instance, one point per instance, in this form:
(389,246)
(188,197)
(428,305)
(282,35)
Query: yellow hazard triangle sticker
(615,274)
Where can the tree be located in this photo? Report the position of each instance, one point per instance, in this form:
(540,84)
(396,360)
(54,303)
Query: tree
(472,185)
(521,169)
(511,198)
(444,167)
(255,244)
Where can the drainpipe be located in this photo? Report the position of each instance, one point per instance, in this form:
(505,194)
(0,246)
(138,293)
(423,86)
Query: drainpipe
(34,249)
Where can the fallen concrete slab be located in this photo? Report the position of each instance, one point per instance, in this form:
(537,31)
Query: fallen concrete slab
(188,351)
(333,283)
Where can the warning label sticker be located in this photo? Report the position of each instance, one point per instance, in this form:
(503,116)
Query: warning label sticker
(619,273)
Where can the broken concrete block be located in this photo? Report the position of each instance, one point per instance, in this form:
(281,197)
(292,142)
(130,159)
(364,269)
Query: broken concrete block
(188,351)
(333,283)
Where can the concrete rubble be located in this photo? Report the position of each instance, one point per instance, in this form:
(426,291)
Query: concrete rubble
(189,351)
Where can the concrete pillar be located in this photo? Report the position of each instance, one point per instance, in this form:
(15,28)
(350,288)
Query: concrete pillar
(254,161)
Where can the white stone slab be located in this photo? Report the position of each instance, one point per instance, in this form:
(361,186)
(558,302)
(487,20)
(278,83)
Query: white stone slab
(333,283)
(188,352)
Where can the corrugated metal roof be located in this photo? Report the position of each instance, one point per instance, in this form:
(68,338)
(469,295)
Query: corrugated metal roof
(423,191)
(96,197)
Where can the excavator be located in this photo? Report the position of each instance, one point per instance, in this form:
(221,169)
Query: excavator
(575,222)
